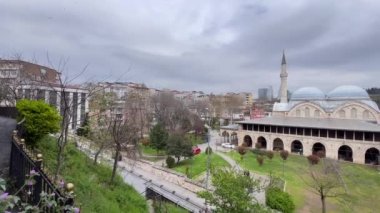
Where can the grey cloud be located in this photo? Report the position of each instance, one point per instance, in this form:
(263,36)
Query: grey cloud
(215,46)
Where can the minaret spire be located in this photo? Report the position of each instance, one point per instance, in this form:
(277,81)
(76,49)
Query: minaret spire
(284,81)
(283,58)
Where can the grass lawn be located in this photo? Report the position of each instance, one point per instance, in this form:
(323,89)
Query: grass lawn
(92,189)
(198,164)
(148,150)
(363,183)
(169,207)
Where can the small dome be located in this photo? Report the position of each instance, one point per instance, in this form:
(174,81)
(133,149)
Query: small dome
(348,92)
(308,93)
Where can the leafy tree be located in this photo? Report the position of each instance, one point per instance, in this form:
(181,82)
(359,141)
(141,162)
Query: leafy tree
(179,146)
(158,137)
(39,118)
(284,155)
(84,130)
(233,192)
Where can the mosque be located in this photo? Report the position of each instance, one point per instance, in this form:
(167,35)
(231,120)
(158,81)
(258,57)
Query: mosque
(344,124)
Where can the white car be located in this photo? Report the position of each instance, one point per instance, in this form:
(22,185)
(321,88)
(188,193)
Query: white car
(228,145)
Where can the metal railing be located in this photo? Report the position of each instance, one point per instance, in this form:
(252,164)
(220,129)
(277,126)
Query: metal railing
(22,162)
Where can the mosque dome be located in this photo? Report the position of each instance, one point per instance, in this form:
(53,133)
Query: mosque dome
(308,93)
(348,92)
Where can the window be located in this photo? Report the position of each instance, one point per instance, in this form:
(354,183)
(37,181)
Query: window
(307,112)
(317,113)
(342,113)
(298,113)
(366,115)
(354,113)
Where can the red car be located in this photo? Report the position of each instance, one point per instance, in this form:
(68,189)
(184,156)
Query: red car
(196,150)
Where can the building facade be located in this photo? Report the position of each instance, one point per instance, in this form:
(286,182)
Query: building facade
(342,124)
(25,80)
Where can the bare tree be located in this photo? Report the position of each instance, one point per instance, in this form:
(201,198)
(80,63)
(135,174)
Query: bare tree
(171,112)
(325,180)
(124,137)
(137,100)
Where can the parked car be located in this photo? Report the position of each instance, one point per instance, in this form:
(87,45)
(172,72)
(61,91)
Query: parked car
(228,145)
(196,150)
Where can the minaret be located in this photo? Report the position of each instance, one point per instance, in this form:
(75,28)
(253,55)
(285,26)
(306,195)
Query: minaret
(284,81)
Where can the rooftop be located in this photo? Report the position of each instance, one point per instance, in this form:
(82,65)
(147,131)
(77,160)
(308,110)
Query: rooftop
(323,123)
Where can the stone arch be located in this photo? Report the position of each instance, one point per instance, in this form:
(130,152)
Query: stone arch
(345,153)
(296,147)
(234,138)
(224,135)
(248,140)
(261,142)
(319,148)
(278,144)
(372,156)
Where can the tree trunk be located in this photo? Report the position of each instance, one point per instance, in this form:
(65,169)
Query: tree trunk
(115,164)
(323,204)
(96,156)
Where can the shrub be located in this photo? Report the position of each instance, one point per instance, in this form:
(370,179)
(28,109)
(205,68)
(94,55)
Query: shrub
(313,159)
(144,141)
(241,150)
(270,155)
(321,154)
(170,161)
(257,145)
(258,151)
(208,150)
(284,154)
(260,159)
(279,200)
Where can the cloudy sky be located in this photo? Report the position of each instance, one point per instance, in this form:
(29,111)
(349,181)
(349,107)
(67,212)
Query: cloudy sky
(214,46)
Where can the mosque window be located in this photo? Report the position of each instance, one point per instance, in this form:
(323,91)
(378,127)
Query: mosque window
(317,113)
(342,113)
(307,112)
(366,115)
(298,113)
(354,113)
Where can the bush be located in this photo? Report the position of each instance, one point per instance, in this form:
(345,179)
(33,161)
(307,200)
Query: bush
(39,118)
(279,200)
(144,141)
(242,150)
(208,150)
(170,161)
(260,160)
(258,151)
(284,154)
(270,155)
(321,154)
(313,159)
(257,145)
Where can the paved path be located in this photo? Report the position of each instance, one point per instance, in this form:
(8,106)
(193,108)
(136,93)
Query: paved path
(7,125)
(142,174)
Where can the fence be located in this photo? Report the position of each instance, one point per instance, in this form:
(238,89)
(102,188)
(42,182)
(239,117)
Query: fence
(21,163)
